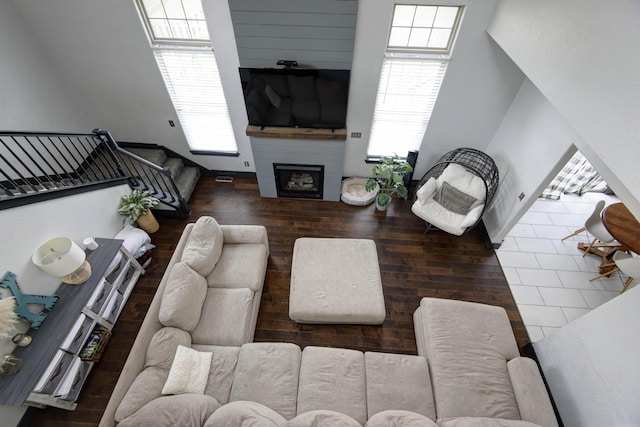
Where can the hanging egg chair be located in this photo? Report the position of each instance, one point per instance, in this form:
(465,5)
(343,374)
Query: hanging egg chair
(454,193)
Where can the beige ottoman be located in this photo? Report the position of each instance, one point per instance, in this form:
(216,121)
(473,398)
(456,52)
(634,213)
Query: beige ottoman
(336,281)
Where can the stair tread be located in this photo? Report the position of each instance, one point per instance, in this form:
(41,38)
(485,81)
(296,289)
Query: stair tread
(154,155)
(175,165)
(187,181)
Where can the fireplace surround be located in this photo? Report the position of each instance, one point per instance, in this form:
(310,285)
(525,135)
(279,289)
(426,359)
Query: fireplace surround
(328,153)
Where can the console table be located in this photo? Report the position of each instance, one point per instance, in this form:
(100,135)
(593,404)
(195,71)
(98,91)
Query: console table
(53,371)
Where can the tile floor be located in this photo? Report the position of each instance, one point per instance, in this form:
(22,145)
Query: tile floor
(549,278)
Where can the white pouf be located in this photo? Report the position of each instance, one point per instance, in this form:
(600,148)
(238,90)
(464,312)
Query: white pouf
(336,281)
(354,193)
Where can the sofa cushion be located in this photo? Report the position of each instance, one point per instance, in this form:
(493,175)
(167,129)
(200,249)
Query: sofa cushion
(223,368)
(170,411)
(240,266)
(163,345)
(399,418)
(268,373)
(158,360)
(533,400)
(399,382)
(483,422)
(226,318)
(467,346)
(453,199)
(189,372)
(183,297)
(464,180)
(333,379)
(245,413)
(146,387)
(204,245)
(323,418)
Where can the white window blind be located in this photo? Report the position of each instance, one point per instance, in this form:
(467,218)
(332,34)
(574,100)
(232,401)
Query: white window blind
(407,93)
(193,82)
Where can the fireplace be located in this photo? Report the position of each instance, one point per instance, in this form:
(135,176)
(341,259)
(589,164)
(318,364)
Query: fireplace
(301,181)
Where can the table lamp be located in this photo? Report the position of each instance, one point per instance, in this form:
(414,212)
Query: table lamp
(62,258)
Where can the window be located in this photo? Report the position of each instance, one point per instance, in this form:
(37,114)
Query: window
(416,58)
(180,41)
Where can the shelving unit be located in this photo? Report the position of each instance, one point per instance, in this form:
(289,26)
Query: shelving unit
(53,372)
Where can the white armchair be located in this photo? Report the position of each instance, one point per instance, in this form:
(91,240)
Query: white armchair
(453,201)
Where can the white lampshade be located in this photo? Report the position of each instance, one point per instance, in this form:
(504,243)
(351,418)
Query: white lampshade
(59,257)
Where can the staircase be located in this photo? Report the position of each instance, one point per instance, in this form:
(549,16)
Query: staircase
(37,166)
(185,177)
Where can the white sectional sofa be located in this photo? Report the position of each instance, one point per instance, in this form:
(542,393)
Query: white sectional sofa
(193,362)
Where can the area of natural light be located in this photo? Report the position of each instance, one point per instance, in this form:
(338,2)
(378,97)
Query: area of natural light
(410,80)
(182,48)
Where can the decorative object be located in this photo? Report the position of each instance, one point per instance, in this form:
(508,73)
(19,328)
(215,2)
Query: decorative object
(9,281)
(8,317)
(21,340)
(90,243)
(354,192)
(135,208)
(10,364)
(389,174)
(62,258)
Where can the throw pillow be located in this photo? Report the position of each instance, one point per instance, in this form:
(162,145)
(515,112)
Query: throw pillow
(204,246)
(274,98)
(453,199)
(171,411)
(189,372)
(183,298)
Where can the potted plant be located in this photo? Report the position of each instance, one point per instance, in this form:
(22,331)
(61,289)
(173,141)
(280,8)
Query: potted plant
(389,174)
(135,208)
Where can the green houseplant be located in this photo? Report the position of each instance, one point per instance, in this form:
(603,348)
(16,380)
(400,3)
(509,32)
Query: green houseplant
(134,207)
(389,174)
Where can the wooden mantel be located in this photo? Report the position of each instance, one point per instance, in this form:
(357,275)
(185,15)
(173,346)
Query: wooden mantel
(296,133)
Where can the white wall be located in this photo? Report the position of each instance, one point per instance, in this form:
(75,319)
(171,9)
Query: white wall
(478,88)
(102,52)
(33,96)
(583,56)
(531,145)
(591,365)
(23,228)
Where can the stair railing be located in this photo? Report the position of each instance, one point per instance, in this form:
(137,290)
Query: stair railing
(37,166)
(146,176)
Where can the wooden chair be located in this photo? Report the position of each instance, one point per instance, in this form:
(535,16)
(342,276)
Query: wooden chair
(594,226)
(625,263)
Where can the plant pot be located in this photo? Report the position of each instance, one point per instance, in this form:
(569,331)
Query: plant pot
(382,208)
(148,222)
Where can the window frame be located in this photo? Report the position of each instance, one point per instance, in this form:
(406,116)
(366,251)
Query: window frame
(193,46)
(436,55)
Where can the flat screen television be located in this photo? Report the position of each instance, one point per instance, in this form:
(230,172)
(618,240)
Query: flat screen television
(296,97)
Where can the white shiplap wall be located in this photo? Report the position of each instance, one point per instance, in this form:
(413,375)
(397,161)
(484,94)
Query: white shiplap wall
(316,33)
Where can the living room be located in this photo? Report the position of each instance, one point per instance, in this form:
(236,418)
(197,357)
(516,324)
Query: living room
(93,68)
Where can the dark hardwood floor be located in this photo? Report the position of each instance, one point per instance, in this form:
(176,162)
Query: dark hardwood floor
(413,265)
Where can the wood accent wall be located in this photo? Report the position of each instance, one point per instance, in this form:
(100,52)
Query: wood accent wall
(317,34)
